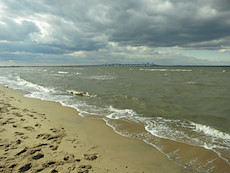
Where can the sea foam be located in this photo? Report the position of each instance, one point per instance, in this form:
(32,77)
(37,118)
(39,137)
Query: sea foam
(207,130)
(120,113)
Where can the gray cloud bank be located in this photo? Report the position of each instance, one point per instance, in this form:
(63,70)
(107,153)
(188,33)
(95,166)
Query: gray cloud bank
(83,31)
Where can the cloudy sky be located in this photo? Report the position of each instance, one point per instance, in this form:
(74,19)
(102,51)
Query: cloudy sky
(167,32)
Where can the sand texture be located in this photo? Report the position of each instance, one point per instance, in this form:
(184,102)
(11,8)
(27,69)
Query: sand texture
(30,143)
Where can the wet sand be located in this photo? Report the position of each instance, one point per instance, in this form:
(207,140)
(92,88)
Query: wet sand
(42,136)
(193,158)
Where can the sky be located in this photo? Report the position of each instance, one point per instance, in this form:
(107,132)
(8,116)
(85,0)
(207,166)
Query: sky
(75,32)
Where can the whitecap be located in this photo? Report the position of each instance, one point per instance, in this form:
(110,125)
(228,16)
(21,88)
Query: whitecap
(191,82)
(63,72)
(103,77)
(24,83)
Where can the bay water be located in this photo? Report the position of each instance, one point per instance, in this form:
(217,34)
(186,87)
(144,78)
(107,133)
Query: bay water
(187,105)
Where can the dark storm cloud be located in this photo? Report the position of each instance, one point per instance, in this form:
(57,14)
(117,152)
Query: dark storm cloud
(64,27)
(172,23)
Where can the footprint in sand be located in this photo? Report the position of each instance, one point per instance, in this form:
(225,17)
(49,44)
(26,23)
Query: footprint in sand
(19,133)
(22,151)
(30,115)
(54,130)
(44,136)
(38,156)
(90,157)
(37,125)
(25,167)
(29,128)
(54,171)
(49,164)
(25,110)
(18,141)
(53,147)
(12,166)
(84,168)
(40,145)
(2,130)
(35,151)
(17,114)
(69,157)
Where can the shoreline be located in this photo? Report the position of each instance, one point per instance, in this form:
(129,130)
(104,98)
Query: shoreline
(64,141)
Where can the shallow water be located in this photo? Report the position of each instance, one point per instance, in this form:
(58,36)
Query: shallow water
(189,105)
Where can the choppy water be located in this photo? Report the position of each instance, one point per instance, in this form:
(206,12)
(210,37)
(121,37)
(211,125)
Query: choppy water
(189,105)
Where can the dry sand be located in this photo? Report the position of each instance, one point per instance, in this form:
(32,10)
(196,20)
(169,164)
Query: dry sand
(42,136)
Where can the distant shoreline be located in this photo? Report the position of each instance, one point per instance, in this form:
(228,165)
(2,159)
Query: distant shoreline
(118,65)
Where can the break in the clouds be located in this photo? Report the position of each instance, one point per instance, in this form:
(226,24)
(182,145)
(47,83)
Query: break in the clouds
(95,32)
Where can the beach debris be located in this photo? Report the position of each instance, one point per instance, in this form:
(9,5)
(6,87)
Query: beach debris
(78,93)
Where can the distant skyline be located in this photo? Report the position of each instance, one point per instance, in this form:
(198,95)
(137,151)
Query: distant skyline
(165,32)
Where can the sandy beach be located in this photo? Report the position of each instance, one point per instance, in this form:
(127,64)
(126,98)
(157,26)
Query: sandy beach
(42,136)
(115,86)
